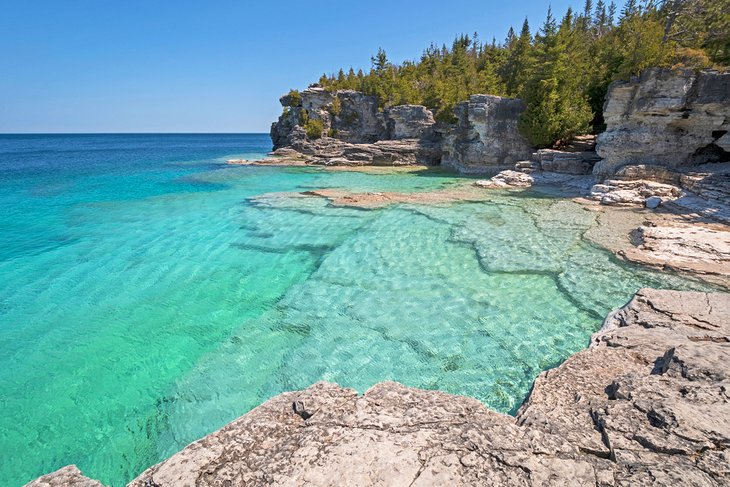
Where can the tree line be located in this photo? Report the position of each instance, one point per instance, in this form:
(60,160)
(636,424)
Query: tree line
(562,70)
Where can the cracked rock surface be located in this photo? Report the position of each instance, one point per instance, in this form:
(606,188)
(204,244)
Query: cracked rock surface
(647,404)
(695,249)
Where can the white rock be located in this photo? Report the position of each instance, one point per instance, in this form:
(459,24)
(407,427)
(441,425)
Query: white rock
(653,202)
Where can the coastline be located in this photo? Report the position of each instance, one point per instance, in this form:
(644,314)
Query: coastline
(666,238)
(632,409)
(613,233)
(639,406)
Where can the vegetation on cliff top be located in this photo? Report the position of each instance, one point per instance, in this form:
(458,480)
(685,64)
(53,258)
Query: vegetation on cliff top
(562,72)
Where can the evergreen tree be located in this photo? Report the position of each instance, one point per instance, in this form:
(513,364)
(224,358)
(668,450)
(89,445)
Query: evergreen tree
(510,38)
(517,66)
(611,14)
(557,108)
(380,61)
(588,9)
(563,71)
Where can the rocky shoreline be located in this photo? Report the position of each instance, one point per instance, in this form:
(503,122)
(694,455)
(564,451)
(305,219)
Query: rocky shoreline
(666,148)
(646,404)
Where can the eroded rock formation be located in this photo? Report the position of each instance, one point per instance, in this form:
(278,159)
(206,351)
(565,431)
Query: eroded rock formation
(646,404)
(485,138)
(354,132)
(669,118)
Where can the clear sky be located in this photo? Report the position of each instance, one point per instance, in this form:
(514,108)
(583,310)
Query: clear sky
(208,66)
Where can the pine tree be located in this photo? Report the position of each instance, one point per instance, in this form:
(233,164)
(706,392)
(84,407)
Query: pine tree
(588,9)
(517,66)
(600,18)
(630,9)
(557,108)
(611,14)
(380,61)
(510,37)
(563,71)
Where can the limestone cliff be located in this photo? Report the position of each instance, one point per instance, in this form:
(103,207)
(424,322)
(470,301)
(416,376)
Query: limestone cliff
(668,118)
(665,120)
(646,404)
(484,139)
(354,131)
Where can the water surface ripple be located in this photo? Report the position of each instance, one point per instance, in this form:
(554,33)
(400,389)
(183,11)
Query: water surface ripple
(149,294)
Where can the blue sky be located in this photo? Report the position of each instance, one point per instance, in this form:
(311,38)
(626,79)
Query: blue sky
(208,66)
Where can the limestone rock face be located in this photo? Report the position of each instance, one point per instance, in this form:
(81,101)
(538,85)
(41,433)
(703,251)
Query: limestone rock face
(69,476)
(355,132)
(330,151)
(670,118)
(351,115)
(566,162)
(485,138)
(358,120)
(409,122)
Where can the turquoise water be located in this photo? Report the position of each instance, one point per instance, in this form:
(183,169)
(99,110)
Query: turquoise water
(149,293)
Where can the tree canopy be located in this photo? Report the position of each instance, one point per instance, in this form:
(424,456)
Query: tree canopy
(562,70)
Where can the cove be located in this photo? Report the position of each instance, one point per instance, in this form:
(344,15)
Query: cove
(150,294)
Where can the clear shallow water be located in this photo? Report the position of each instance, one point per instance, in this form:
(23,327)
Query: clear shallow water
(146,300)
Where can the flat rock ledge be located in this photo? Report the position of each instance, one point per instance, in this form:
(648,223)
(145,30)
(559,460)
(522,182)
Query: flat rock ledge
(696,249)
(648,403)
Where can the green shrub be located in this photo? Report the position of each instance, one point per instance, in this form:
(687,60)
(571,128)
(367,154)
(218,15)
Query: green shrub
(295,99)
(332,133)
(314,128)
(285,113)
(336,107)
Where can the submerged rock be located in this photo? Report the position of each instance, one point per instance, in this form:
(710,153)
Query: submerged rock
(646,404)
